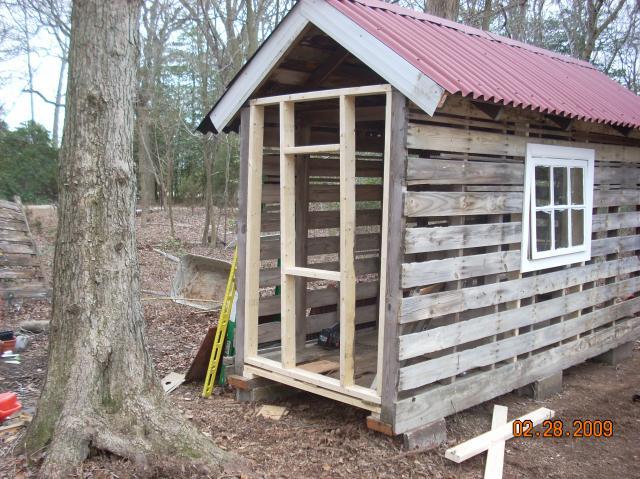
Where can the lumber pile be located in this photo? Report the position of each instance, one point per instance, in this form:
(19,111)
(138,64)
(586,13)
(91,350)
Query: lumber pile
(20,272)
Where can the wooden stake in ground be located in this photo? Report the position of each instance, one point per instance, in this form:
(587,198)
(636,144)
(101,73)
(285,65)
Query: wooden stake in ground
(101,390)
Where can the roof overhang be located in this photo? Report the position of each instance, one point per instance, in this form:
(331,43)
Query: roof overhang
(403,76)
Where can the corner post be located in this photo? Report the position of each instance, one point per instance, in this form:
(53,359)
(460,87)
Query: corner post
(392,270)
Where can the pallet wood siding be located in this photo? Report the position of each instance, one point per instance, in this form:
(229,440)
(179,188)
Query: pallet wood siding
(322,220)
(472,326)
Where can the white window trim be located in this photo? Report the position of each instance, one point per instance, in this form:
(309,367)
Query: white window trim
(552,155)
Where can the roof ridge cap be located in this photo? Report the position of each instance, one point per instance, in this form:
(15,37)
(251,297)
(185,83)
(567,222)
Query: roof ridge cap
(471,31)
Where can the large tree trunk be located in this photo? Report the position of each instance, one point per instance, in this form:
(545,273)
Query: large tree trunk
(101,390)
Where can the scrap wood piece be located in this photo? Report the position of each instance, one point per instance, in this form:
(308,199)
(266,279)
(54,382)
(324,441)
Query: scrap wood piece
(495,454)
(322,366)
(198,369)
(169,256)
(12,427)
(272,412)
(483,442)
(171,381)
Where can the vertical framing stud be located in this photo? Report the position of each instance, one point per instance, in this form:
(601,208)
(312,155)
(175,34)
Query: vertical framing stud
(384,236)
(347,306)
(254,199)
(287,235)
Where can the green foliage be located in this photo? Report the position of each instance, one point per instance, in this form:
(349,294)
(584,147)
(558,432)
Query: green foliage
(28,164)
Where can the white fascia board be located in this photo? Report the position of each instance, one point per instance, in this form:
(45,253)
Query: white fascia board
(406,78)
(258,68)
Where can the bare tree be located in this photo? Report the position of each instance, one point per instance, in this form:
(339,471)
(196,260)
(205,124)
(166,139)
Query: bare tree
(101,391)
(585,21)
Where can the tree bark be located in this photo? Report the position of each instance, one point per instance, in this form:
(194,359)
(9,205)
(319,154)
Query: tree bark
(444,8)
(101,391)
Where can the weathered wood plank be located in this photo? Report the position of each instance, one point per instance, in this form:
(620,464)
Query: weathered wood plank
(429,171)
(268,332)
(326,167)
(369,242)
(442,238)
(324,219)
(437,271)
(389,318)
(443,337)
(450,269)
(16,248)
(438,138)
(622,197)
(476,388)
(19,260)
(437,203)
(271,276)
(319,193)
(416,308)
(319,297)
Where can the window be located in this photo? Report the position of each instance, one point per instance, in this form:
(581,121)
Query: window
(558,203)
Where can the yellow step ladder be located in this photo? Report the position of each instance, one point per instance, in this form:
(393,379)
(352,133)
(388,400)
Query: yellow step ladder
(221,330)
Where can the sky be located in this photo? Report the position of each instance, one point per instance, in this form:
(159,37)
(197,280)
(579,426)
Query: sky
(13,79)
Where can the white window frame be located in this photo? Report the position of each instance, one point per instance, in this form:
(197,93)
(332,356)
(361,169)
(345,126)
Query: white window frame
(555,156)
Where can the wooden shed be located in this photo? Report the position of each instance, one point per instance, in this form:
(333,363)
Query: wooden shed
(464,206)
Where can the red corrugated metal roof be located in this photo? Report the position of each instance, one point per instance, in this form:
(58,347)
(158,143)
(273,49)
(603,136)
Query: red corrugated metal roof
(489,67)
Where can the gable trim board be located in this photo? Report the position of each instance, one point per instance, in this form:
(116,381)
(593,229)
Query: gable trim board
(406,78)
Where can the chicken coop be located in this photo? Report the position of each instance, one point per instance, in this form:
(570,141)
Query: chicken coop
(430,215)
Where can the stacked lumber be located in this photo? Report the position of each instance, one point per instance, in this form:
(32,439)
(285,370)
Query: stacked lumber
(20,272)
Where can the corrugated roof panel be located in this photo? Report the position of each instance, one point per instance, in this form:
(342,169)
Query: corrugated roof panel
(486,66)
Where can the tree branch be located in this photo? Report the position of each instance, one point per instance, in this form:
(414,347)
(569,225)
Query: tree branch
(44,98)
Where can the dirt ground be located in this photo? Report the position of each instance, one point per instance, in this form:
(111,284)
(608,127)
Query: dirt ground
(319,437)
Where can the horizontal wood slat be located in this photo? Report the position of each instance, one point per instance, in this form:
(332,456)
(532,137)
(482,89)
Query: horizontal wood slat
(449,269)
(438,203)
(436,271)
(324,219)
(268,332)
(325,167)
(436,403)
(442,238)
(319,193)
(430,171)
(271,276)
(416,308)
(443,337)
(432,370)
(438,138)
(319,297)
(370,242)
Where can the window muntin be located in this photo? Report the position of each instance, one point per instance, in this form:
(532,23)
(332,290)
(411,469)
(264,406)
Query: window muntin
(558,201)
(557,206)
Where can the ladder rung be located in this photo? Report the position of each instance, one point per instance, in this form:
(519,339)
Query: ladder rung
(313,273)
(310,149)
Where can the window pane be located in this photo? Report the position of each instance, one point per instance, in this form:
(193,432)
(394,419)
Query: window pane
(577,226)
(543,230)
(562,228)
(543,195)
(560,186)
(577,197)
